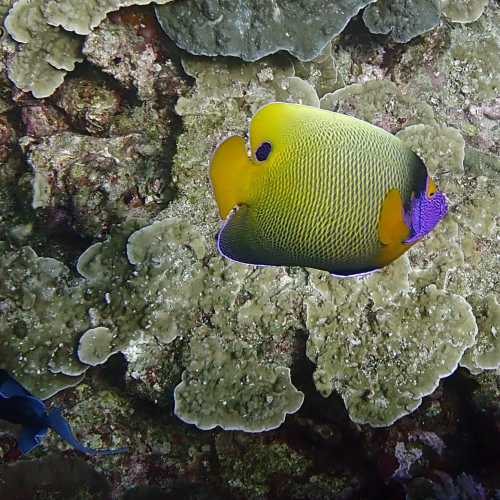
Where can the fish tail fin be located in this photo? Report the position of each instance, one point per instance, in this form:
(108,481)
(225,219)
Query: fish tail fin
(230,174)
(60,425)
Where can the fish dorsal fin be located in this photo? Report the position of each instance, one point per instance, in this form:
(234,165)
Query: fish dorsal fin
(230,174)
(393,230)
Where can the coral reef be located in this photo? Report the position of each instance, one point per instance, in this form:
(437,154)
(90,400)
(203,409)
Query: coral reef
(115,275)
(173,284)
(402,20)
(47,52)
(125,180)
(463,11)
(252,30)
(82,18)
(226,385)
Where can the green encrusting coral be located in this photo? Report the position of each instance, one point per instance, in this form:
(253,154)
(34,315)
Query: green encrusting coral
(43,309)
(225,384)
(463,11)
(83,17)
(388,344)
(46,52)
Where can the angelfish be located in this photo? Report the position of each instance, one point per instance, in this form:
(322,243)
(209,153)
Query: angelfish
(323,190)
(19,406)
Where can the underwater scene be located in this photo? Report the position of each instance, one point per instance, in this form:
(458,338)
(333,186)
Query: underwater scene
(250,250)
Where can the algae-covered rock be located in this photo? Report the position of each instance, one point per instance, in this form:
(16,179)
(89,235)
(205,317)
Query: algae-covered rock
(61,477)
(122,51)
(46,53)
(254,29)
(83,17)
(103,180)
(42,119)
(226,385)
(403,20)
(90,104)
(270,461)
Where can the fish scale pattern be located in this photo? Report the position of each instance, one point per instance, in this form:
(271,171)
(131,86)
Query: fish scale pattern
(320,202)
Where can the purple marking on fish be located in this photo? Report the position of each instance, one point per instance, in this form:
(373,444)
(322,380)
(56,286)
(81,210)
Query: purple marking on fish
(424,214)
(355,275)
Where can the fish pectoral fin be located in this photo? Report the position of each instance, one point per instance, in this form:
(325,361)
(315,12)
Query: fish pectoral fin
(236,239)
(393,230)
(392,227)
(230,174)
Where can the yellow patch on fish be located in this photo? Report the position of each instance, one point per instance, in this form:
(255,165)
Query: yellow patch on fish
(317,189)
(393,230)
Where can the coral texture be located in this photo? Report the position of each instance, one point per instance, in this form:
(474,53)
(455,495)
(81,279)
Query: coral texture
(83,17)
(252,30)
(46,52)
(403,20)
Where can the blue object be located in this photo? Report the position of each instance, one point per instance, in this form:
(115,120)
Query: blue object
(19,406)
(263,151)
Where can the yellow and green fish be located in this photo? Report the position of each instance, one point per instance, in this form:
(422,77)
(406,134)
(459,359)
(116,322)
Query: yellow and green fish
(323,190)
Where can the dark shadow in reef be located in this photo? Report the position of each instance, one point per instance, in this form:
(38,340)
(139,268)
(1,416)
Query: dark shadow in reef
(57,476)
(477,439)
(180,491)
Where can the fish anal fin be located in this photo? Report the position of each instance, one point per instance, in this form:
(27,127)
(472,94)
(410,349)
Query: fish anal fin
(230,174)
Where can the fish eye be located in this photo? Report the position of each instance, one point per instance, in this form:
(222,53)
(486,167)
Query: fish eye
(263,151)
